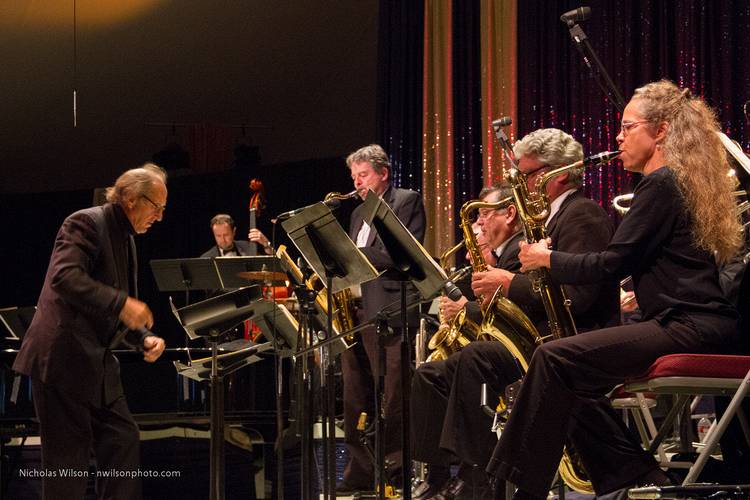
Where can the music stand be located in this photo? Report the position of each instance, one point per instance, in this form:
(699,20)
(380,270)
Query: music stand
(409,256)
(231,269)
(416,265)
(14,321)
(320,314)
(331,254)
(210,319)
(200,369)
(327,248)
(177,275)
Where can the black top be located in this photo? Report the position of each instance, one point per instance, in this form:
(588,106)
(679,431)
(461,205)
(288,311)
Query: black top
(654,244)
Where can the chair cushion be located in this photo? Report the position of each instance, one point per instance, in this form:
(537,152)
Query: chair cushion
(699,365)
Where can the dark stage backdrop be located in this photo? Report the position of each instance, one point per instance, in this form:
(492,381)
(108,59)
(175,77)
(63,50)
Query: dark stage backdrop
(301,77)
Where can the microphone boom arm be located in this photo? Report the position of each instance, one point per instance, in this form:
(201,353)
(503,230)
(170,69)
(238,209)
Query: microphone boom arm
(598,72)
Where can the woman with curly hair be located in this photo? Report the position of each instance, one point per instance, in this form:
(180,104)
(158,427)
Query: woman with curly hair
(680,226)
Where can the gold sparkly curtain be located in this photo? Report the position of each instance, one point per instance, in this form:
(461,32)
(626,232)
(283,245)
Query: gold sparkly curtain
(437,126)
(499,92)
(498,75)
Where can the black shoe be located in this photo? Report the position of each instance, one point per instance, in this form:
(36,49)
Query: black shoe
(451,489)
(344,489)
(426,490)
(423,490)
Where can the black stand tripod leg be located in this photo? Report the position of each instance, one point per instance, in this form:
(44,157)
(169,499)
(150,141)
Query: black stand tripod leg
(217,427)
(279,428)
(405,398)
(329,403)
(310,461)
(382,331)
(324,427)
(331,428)
(305,338)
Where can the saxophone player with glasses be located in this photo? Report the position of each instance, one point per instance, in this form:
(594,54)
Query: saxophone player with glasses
(575,224)
(681,225)
(447,426)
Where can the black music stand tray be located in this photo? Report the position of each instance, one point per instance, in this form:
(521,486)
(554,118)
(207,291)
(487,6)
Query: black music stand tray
(212,273)
(410,257)
(185,275)
(210,319)
(230,270)
(414,264)
(13,323)
(332,255)
(320,316)
(327,248)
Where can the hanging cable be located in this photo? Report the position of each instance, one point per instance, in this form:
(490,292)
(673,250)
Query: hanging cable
(75,67)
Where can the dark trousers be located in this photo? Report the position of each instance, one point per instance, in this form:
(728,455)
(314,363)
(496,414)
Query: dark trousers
(71,430)
(448,424)
(563,395)
(358,371)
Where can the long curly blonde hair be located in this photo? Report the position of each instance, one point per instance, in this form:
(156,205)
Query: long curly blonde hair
(694,152)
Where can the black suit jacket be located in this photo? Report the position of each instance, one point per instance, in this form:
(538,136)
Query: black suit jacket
(243,248)
(580,226)
(87,283)
(508,259)
(378,293)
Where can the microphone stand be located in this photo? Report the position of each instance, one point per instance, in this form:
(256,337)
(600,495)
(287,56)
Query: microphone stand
(600,74)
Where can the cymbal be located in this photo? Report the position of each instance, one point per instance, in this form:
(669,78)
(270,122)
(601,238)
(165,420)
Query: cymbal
(262,276)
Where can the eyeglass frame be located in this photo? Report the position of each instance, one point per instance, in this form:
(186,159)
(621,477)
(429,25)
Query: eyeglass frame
(490,212)
(159,208)
(626,126)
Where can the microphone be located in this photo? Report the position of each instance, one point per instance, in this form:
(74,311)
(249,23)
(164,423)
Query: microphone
(452,291)
(576,16)
(502,122)
(333,204)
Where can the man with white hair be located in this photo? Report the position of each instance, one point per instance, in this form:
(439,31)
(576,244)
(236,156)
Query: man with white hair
(88,306)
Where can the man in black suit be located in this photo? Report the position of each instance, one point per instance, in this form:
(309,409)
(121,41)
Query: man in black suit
(370,170)
(576,224)
(224,231)
(87,307)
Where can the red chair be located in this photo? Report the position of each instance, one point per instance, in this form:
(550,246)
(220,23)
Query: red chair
(687,375)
